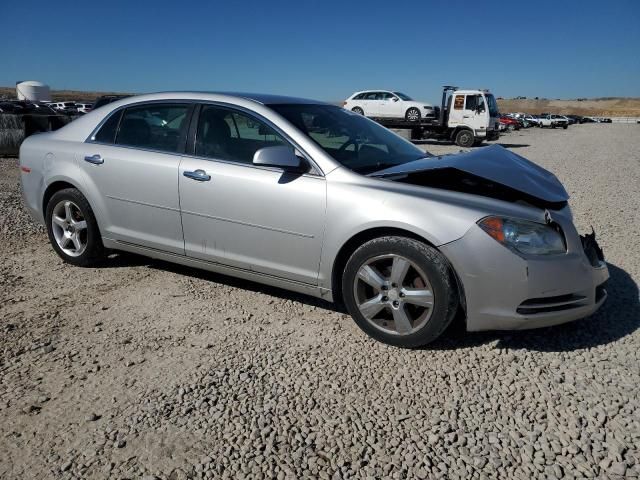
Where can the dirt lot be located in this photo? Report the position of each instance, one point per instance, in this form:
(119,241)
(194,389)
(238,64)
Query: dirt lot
(144,369)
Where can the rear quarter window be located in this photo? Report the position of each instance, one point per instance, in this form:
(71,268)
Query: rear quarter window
(107,132)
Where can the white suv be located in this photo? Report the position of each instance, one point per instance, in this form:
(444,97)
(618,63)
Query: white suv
(84,107)
(388,104)
(61,106)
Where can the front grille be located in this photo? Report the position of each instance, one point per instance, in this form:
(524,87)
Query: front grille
(551,304)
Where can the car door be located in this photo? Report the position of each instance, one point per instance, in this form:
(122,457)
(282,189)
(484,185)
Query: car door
(130,169)
(389,105)
(257,218)
(475,112)
(372,106)
(456,110)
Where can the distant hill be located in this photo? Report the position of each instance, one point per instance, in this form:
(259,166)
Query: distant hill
(610,107)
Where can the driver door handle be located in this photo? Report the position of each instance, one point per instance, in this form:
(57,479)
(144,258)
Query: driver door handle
(95,159)
(198,175)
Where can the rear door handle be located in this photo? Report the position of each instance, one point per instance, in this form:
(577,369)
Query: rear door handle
(95,159)
(199,175)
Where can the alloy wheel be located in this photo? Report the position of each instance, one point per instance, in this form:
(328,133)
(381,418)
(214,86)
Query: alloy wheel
(413,115)
(69,228)
(393,294)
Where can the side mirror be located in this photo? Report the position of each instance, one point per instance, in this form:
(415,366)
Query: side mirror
(394,99)
(280,156)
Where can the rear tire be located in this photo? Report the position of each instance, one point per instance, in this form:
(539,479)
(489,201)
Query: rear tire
(357,110)
(465,138)
(407,304)
(73,230)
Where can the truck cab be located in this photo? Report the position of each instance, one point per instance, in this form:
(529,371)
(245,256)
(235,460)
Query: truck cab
(475,111)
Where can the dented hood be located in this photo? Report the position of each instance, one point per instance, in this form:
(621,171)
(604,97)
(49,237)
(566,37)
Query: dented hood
(494,163)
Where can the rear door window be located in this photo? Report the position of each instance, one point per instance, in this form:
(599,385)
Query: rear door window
(154,127)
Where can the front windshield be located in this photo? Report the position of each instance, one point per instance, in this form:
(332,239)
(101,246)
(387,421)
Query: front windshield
(493,105)
(356,142)
(404,97)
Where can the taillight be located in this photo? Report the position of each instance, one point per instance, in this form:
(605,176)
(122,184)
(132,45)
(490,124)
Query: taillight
(344,103)
(25,169)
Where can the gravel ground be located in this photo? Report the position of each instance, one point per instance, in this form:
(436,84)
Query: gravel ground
(141,369)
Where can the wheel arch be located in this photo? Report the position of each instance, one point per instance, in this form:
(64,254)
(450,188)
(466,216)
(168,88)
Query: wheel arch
(54,187)
(456,130)
(353,243)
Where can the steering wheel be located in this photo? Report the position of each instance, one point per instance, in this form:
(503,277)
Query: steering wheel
(351,141)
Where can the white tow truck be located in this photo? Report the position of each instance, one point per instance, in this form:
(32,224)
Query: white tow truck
(465,117)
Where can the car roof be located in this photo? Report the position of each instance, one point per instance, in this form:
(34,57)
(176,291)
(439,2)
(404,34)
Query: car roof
(376,90)
(263,98)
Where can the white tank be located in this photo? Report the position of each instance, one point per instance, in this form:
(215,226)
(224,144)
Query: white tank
(33,91)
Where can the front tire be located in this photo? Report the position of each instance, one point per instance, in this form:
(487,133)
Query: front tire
(73,230)
(412,115)
(465,138)
(399,291)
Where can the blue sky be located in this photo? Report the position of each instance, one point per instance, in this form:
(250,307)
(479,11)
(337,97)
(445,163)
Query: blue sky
(326,49)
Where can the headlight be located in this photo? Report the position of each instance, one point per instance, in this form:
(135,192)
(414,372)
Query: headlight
(524,236)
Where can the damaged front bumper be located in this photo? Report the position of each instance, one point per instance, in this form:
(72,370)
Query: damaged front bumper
(505,291)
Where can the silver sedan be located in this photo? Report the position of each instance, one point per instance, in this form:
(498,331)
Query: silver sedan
(312,198)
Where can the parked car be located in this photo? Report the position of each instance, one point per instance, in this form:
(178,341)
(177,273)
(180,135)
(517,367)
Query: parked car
(574,119)
(516,116)
(10,107)
(64,107)
(553,121)
(533,120)
(84,107)
(42,108)
(566,119)
(107,99)
(509,123)
(309,197)
(388,104)
(22,107)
